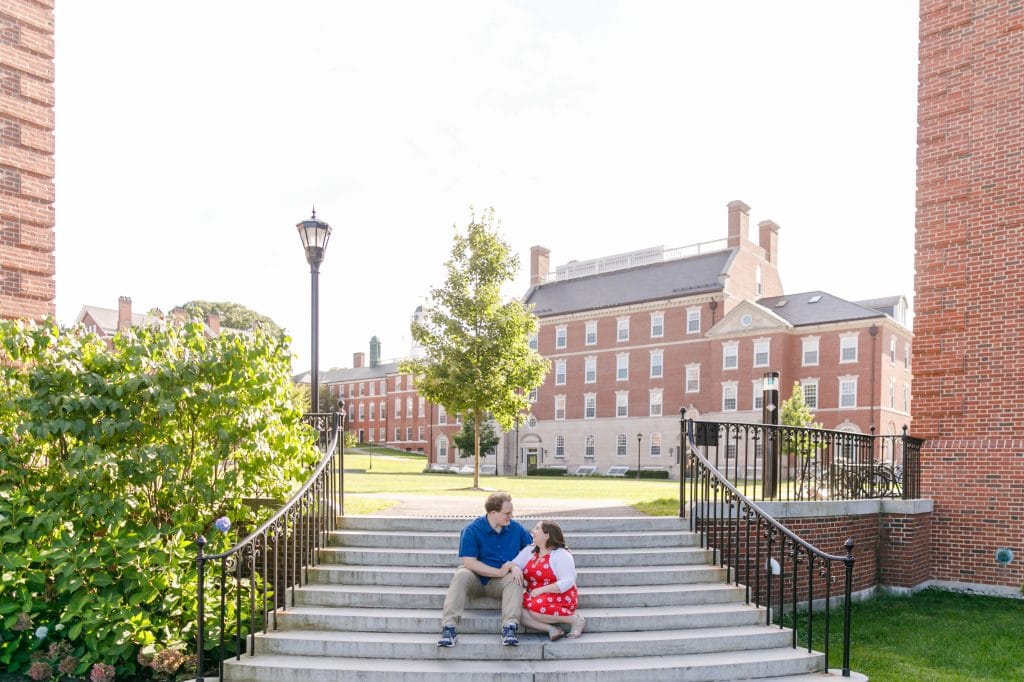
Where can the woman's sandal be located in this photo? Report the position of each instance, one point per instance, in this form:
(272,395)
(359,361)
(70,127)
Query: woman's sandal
(555,633)
(578,626)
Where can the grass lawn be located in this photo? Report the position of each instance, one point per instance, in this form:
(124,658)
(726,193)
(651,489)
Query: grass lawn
(933,635)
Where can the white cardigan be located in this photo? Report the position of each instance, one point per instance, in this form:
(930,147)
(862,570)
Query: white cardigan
(562,565)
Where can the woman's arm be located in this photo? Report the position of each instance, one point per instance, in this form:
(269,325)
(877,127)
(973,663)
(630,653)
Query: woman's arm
(524,555)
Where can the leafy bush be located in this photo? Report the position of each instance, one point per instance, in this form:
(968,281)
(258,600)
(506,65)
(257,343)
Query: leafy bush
(647,473)
(545,471)
(111,463)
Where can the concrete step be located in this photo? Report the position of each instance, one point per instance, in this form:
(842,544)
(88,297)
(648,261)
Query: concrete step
(448,540)
(405,596)
(735,665)
(488,621)
(571,526)
(441,576)
(532,646)
(585,558)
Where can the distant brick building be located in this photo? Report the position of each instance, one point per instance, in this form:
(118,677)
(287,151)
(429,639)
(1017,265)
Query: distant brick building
(26,159)
(106,322)
(969,353)
(634,337)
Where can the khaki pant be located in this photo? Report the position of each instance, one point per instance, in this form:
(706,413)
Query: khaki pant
(466,585)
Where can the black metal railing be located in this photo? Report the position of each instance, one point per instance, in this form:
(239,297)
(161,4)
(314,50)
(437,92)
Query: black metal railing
(774,564)
(770,462)
(252,579)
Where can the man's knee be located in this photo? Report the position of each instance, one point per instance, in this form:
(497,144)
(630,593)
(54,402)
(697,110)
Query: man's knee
(508,582)
(463,579)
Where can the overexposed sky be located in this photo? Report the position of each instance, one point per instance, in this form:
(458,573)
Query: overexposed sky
(193,135)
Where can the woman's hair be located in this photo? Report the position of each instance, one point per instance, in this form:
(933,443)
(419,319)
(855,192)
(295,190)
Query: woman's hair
(554,532)
(495,501)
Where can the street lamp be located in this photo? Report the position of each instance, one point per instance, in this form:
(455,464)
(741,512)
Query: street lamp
(314,235)
(639,438)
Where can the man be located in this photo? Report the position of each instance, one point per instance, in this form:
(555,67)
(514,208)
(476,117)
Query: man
(487,547)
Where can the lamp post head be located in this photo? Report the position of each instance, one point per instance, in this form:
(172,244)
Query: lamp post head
(639,437)
(314,235)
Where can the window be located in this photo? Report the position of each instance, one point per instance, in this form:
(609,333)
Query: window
(382,410)
(906,397)
(761,353)
(810,355)
(657,325)
(588,447)
(848,348)
(419,433)
(373,391)
(398,433)
(622,403)
(759,281)
(531,422)
(758,402)
(442,416)
(892,393)
(591,336)
(655,445)
(422,407)
(559,446)
(360,412)
(906,356)
(892,350)
(408,433)
(442,448)
(559,407)
(729,396)
(383,386)
(693,378)
(361,439)
(730,451)
(620,445)
(810,388)
(532,395)
(372,434)
(655,402)
(847,391)
(398,408)
(622,367)
(533,341)
(657,366)
(622,329)
(589,406)
(372,417)
(559,372)
(590,369)
(693,321)
(362,389)
(730,355)
(408,406)
(560,337)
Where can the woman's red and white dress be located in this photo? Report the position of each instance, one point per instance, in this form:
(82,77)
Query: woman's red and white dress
(557,566)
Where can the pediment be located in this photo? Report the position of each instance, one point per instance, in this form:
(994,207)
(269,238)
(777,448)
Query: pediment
(746,318)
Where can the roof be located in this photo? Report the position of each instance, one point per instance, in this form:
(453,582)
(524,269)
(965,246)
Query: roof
(653,282)
(339,375)
(106,318)
(801,310)
(884,302)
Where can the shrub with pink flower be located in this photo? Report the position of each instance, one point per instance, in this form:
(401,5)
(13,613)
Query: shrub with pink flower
(24,623)
(101,672)
(40,670)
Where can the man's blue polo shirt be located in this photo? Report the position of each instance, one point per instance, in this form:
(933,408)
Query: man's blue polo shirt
(479,541)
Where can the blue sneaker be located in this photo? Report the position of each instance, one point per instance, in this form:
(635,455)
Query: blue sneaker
(448,636)
(508,635)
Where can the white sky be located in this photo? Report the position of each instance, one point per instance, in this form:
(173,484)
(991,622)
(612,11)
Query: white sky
(193,135)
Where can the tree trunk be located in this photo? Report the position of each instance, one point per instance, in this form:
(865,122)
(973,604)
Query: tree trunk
(476,448)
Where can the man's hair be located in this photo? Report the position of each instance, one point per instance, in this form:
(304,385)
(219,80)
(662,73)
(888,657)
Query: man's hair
(495,501)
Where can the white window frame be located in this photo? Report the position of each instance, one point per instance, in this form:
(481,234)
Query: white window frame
(655,445)
(559,408)
(372,435)
(621,403)
(590,369)
(906,398)
(693,378)
(804,384)
(622,367)
(559,447)
(657,325)
(398,434)
(589,446)
(590,406)
(847,381)
(655,402)
(372,411)
(906,355)
(892,393)
(621,445)
(657,364)
(810,344)
(421,407)
(622,329)
(559,372)
(408,406)
(892,350)
(561,336)
(419,433)
(693,320)
(729,393)
(442,415)
(533,341)
(758,394)
(590,337)
(360,412)
(532,395)
(848,342)
(397,414)
(730,351)
(762,347)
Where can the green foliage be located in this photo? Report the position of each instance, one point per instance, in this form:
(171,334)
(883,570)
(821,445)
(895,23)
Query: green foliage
(647,473)
(546,471)
(234,315)
(795,411)
(464,439)
(477,354)
(112,462)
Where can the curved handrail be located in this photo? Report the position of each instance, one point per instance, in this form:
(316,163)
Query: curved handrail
(719,509)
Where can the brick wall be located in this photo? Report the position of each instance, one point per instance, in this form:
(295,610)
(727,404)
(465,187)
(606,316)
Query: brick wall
(26,159)
(969,345)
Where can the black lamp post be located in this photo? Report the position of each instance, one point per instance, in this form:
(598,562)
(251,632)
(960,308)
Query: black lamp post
(314,235)
(639,438)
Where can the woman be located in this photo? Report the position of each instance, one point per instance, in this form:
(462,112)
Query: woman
(550,573)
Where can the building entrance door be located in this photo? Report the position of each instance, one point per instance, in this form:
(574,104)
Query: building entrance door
(531,458)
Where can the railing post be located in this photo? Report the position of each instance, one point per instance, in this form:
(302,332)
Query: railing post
(907,492)
(201,625)
(684,452)
(848,561)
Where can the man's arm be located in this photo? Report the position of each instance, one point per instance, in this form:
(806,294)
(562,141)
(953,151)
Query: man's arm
(480,568)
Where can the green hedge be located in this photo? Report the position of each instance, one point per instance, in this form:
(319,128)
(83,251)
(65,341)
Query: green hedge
(544,471)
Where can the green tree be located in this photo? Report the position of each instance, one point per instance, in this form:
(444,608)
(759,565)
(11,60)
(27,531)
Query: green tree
(477,354)
(233,315)
(465,439)
(795,411)
(799,443)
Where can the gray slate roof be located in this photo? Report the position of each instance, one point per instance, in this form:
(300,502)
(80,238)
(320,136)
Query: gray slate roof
(106,318)
(654,282)
(333,376)
(799,311)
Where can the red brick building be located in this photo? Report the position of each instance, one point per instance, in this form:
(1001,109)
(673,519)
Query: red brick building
(106,322)
(26,159)
(969,354)
(634,337)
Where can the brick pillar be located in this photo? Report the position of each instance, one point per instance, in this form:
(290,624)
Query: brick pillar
(540,265)
(124,313)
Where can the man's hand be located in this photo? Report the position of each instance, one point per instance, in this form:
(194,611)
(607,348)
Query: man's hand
(517,574)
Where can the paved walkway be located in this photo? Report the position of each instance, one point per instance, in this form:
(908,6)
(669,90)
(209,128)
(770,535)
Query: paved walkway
(469,506)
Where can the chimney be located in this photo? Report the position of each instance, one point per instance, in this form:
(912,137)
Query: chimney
(769,240)
(124,313)
(358,360)
(178,313)
(213,322)
(739,223)
(540,264)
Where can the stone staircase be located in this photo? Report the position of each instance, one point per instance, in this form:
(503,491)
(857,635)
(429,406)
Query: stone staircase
(656,609)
